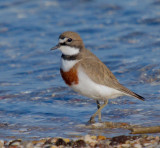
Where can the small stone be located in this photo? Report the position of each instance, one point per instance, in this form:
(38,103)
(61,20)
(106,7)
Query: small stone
(42,141)
(15,142)
(92,144)
(29,145)
(13,146)
(51,141)
(147,144)
(66,140)
(145,136)
(139,141)
(70,143)
(127,142)
(100,145)
(47,146)
(137,146)
(94,137)
(124,124)
(101,137)
(53,146)
(150,138)
(1,143)
(119,146)
(60,141)
(157,138)
(126,145)
(88,139)
(153,141)
(108,143)
(79,143)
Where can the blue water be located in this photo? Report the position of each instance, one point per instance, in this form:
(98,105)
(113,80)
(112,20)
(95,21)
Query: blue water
(34,100)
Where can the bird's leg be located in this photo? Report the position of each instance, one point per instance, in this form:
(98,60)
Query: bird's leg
(98,111)
(99,114)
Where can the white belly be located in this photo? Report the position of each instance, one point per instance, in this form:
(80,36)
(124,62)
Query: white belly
(89,88)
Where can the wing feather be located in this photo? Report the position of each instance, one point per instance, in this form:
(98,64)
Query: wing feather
(100,74)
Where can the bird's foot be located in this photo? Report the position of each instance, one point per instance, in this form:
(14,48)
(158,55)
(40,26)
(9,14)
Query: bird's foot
(100,121)
(91,121)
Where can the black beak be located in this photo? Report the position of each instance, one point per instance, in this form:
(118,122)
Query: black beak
(55,47)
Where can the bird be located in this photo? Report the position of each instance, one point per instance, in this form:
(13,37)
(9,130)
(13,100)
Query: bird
(86,74)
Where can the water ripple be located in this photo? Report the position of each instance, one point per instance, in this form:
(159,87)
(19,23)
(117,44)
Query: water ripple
(35,102)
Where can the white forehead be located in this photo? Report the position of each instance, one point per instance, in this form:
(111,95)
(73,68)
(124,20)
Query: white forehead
(62,40)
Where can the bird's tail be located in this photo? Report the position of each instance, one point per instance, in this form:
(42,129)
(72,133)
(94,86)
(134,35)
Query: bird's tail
(131,93)
(138,96)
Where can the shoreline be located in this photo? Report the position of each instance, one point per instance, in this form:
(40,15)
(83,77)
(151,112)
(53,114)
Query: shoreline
(136,141)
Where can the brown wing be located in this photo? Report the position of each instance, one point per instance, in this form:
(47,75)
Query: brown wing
(100,74)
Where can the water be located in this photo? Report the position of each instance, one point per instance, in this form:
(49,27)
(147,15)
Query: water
(35,102)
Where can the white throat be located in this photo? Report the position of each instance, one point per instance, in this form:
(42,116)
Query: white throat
(66,65)
(67,50)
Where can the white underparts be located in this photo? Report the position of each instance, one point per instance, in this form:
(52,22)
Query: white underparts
(66,65)
(89,88)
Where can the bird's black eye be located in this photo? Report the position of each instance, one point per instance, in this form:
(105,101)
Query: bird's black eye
(69,40)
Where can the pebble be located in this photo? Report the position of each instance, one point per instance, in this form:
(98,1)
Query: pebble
(60,141)
(1,143)
(39,141)
(137,146)
(87,141)
(126,145)
(127,142)
(66,140)
(54,146)
(15,142)
(29,145)
(79,143)
(101,137)
(147,144)
(157,138)
(94,137)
